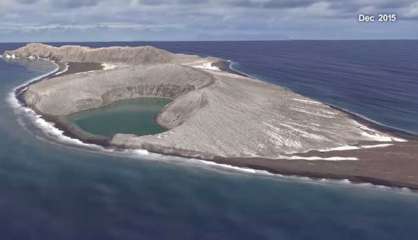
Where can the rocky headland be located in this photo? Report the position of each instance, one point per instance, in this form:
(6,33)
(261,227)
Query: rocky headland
(218,115)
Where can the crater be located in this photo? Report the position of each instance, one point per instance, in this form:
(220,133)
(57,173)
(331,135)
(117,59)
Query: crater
(134,116)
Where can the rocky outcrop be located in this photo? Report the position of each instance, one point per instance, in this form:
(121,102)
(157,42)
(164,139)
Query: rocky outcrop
(78,92)
(127,55)
(213,113)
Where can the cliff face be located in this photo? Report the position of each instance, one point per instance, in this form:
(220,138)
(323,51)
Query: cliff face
(77,92)
(127,55)
(213,113)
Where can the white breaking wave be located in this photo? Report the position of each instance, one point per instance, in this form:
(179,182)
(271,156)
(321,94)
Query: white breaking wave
(141,152)
(375,135)
(234,168)
(62,71)
(310,180)
(8,56)
(242,170)
(25,84)
(48,128)
(373,121)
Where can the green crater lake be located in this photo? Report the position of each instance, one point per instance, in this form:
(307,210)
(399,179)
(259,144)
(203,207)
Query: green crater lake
(136,116)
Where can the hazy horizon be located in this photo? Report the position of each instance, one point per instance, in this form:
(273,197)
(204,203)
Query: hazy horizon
(207,20)
(180,41)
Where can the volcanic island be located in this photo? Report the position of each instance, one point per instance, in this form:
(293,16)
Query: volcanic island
(217,114)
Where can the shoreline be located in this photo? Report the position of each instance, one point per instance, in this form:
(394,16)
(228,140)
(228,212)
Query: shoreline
(299,168)
(269,165)
(68,130)
(226,66)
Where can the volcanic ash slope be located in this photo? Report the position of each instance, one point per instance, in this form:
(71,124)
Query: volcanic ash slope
(213,113)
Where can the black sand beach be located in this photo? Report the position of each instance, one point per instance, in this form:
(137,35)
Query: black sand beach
(394,166)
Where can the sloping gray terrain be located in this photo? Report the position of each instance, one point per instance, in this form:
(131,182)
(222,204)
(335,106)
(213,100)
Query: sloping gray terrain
(213,113)
(128,55)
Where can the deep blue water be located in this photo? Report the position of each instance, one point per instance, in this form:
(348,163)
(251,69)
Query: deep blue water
(52,191)
(376,79)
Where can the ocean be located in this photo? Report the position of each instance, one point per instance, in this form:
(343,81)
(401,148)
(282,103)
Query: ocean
(50,190)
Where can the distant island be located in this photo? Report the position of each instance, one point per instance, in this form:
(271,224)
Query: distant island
(218,114)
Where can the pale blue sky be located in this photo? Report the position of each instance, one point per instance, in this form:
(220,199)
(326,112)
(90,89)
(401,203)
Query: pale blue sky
(163,20)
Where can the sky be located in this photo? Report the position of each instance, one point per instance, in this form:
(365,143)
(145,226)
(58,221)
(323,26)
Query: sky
(204,20)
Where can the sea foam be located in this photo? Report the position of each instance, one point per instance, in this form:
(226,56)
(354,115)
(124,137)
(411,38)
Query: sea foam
(48,128)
